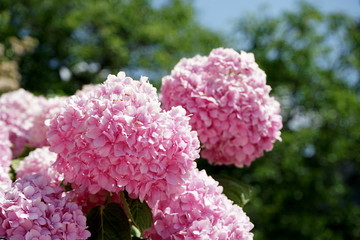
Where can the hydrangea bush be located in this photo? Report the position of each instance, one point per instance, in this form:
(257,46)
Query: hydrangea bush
(117,155)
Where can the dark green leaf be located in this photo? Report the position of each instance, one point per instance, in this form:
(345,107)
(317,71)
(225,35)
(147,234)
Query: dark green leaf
(108,222)
(141,214)
(235,190)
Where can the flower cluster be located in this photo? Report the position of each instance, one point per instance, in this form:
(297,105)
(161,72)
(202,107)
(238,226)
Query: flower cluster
(229,103)
(200,212)
(5,147)
(32,209)
(17,111)
(40,161)
(5,156)
(38,132)
(115,137)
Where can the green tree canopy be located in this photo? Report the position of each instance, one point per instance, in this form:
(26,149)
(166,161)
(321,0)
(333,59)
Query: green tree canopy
(85,40)
(308,187)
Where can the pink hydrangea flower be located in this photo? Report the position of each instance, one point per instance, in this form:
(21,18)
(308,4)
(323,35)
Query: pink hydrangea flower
(17,110)
(5,156)
(33,209)
(5,147)
(117,137)
(38,132)
(40,161)
(229,103)
(5,180)
(200,212)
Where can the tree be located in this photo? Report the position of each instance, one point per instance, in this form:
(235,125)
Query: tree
(82,41)
(308,186)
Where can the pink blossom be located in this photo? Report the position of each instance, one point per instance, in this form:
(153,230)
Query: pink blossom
(200,212)
(116,137)
(5,180)
(5,147)
(5,156)
(17,110)
(33,209)
(229,103)
(40,161)
(38,132)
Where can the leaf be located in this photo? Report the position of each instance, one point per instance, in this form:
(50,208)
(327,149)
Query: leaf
(15,163)
(107,222)
(237,191)
(139,212)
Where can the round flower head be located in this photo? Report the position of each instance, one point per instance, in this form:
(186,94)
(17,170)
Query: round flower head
(5,180)
(5,148)
(33,209)
(38,132)
(40,161)
(229,103)
(200,212)
(5,157)
(17,110)
(116,137)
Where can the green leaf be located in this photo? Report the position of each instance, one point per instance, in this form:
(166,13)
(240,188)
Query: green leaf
(237,191)
(107,222)
(140,213)
(15,163)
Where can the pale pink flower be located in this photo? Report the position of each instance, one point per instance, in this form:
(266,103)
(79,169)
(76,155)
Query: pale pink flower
(229,103)
(5,180)
(200,212)
(5,156)
(116,137)
(49,109)
(40,161)
(5,147)
(34,209)
(17,110)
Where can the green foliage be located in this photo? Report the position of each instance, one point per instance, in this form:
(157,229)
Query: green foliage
(89,39)
(107,222)
(139,213)
(307,187)
(237,191)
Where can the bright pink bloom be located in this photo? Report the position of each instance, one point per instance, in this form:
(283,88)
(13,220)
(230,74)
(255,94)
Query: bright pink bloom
(229,103)
(116,137)
(34,209)
(200,212)
(17,110)
(40,161)
(49,109)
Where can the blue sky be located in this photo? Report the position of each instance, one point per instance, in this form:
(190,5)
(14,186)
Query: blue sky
(220,15)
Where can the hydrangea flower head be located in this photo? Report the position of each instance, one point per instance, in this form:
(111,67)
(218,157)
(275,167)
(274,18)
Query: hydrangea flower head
(18,109)
(200,212)
(33,209)
(229,103)
(38,132)
(5,147)
(5,156)
(40,161)
(116,137)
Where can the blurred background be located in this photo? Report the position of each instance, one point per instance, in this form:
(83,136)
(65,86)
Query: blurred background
(308,187)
